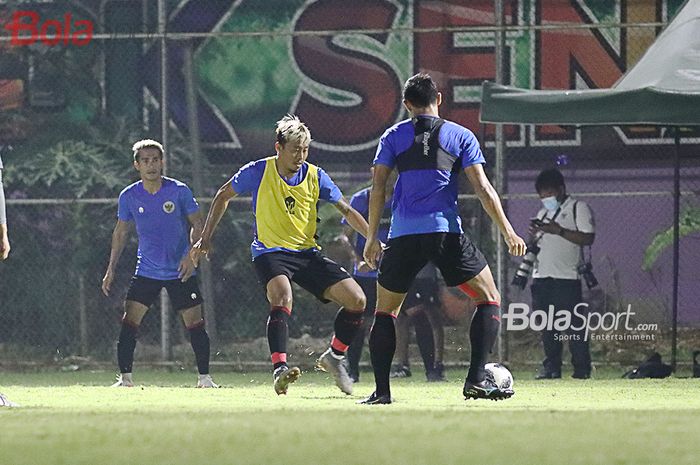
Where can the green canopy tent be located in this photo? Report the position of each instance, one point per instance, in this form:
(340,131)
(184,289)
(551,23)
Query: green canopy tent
(663,89)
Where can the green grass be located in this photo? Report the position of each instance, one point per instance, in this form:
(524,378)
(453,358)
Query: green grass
(72,418)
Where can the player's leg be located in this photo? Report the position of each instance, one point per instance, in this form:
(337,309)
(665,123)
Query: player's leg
(401,262)
(201,346)
(437,327)
(402,367)
(279,295)
(274,271)
(486,320)
(328,281)
(424,338)
(141,295)
(186,299)
(354,353)
(348,322)
(463,265)
(382,343)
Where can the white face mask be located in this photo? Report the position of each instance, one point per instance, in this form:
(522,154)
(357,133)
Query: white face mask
(550,203)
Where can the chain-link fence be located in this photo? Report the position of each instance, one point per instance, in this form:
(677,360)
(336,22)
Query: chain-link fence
(232,68)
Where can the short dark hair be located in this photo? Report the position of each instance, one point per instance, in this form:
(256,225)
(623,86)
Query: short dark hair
(549,179)
(420,90)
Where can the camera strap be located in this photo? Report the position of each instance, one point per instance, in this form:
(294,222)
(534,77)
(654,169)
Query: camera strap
(582,258)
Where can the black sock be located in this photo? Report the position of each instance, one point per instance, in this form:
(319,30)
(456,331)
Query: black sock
(382,345)
(345,328)
(126,346)
(277,335)
(425,340)
(354,353)
(482,334)
(200,345)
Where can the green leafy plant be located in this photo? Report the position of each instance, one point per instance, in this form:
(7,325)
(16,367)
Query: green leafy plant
(689,224)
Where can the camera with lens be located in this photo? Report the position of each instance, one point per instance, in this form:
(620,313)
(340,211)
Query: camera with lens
(586,271)
(525,268)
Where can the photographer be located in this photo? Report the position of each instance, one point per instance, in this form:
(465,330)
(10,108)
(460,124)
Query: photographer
(561,230)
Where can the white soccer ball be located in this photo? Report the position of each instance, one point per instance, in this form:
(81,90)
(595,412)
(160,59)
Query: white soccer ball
(499,375)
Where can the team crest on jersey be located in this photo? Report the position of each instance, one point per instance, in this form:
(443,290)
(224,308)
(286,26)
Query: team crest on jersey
(290,203)
(168,207)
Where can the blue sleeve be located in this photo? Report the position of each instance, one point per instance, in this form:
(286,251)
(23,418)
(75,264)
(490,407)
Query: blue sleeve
(470,151)
(123,212)
(248,178)
(386,154)
(328,190)
(359,202)
(187,200)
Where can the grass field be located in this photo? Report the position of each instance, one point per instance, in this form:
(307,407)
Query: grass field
(72,418)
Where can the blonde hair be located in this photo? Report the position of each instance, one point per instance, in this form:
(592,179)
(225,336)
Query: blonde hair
(290,128)
(146,144)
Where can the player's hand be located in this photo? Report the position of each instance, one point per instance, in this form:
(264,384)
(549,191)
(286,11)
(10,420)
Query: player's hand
(516,245)
(372,252)
(198,249)
(4,247)
(186,268)
(107,282)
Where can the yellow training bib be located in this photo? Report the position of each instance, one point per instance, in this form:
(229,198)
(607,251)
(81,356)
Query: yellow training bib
(286,215)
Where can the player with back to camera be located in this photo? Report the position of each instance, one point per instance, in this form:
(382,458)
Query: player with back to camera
(429,152)
(285,191)
(167,220)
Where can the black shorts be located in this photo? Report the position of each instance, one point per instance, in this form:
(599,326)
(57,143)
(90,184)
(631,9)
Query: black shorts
(309,269)
(369,287)
(422,291)
(182,295)
(453,254)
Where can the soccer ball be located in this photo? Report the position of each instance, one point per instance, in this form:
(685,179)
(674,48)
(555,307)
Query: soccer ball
(499,375)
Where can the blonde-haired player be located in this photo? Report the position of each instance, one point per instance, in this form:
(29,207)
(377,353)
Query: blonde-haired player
(285,190)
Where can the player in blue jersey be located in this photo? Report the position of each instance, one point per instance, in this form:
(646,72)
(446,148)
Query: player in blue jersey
(429,153)
(167,219)
(286,190)
(4,238)
(4,252)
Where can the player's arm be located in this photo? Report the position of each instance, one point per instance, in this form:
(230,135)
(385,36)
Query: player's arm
(492,204)
(119,237)
(187,265)
(352,216)
(377,199)
(4,239)
(216,212)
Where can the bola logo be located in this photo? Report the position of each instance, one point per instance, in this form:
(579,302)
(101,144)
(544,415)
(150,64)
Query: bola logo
(27,27)
(168,207)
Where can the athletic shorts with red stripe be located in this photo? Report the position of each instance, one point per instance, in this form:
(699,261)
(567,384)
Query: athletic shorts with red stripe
(453,254)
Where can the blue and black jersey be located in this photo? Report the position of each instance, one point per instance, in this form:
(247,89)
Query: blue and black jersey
(428,152)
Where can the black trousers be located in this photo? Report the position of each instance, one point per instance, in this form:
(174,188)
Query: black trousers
(564,294)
